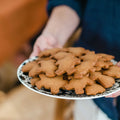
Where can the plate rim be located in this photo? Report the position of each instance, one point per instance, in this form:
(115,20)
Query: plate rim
(56,96)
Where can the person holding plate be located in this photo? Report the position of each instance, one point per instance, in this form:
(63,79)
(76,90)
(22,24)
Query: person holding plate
(100,22)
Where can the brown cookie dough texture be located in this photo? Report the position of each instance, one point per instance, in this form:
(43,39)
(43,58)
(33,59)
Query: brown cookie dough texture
(44,66)
(35,71)
(103,64)
(27,67)
(34,80)
(54,84)
(84,68)
(67,65)
(48,67)
(73,68)
(106,57)
(49,52)
(61,55)
(77,51)
(113,71)
(105,81)
(79,84)
(94,89)
(90,56)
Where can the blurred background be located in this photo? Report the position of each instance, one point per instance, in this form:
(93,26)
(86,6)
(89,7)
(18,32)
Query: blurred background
(21,22)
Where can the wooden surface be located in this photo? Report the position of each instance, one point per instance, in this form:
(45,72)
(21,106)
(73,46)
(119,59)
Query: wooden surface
(20,20)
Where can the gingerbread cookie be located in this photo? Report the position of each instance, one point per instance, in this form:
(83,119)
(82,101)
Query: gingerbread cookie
(106,57)
(77,51)
(27,67)
(113,71)
(72,69)
(34,80)
(94,75)
(78,84)
(90,56)
(102,64)
(84,68)
(60,55)
(44,66)
(105,81)
(67,65)
(54,84)
(94,89)
(35,71)
(48,52)
(48,67)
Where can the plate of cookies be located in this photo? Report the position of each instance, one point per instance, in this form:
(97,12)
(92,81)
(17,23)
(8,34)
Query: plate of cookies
(71,73)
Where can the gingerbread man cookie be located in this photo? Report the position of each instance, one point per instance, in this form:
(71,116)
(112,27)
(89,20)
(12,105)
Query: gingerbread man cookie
(105,81)
(48,67)
(77,51)
(113,71)
(48,52)
(60,55)
(79,84)
(54,84)
(34,80)
(35,71)
(90,56)
(84,68)
(27,67)
(94,89)
(106,57)
(67,65)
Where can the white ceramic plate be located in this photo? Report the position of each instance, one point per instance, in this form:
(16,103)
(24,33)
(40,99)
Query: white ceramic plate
(25,80)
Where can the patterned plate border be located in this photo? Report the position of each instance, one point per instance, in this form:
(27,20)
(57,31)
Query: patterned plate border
(25,80)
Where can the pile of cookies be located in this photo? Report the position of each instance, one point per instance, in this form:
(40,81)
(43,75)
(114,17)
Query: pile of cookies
(73,68)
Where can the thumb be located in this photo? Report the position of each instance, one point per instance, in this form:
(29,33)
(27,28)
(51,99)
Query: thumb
(35,51)
(118,64)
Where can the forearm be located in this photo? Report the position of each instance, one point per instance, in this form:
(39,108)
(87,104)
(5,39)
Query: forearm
(62,23)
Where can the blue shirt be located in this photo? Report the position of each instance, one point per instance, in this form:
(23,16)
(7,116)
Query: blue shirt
(100,21)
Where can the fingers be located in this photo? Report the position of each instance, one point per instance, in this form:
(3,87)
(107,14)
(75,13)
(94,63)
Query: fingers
(43,43)
(113,95)
(118,64)
(40,45)
(35,52)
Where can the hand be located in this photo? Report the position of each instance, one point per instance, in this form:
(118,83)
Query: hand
(117,93)
(57,30)
(113,95)
(44,42)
